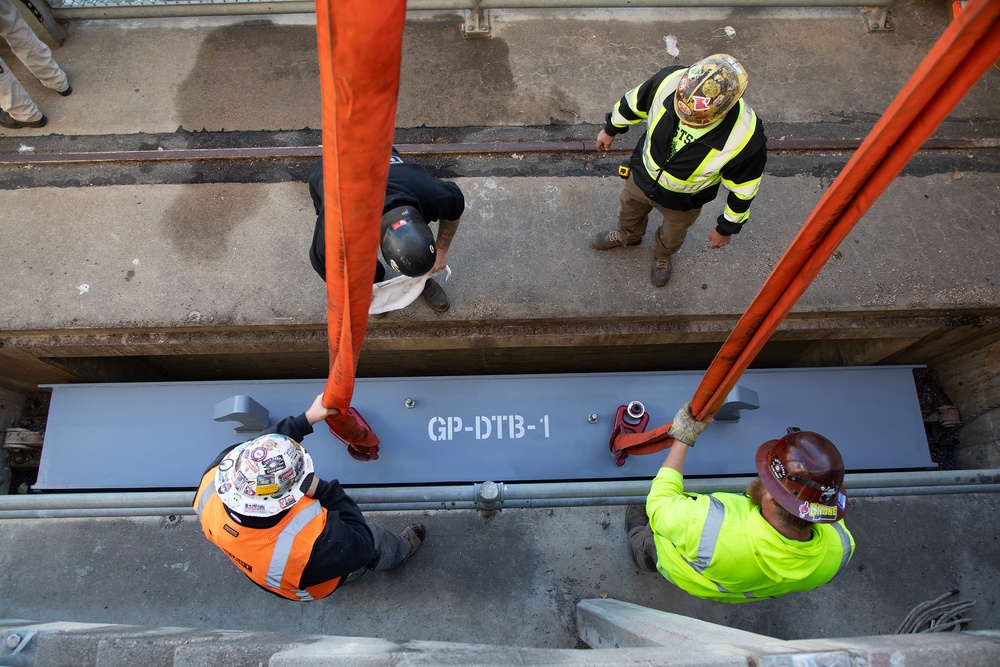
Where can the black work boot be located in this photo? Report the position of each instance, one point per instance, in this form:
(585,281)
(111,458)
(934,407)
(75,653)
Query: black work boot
(414,534)
(609,240)
(435,296)
(8,121)
(660,273)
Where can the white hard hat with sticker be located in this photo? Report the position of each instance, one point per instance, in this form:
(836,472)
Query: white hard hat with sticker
(261,477)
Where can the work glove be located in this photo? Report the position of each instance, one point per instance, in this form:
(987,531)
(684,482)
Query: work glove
(685,428)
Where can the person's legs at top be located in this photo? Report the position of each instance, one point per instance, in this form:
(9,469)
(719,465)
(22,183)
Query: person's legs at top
(33,52)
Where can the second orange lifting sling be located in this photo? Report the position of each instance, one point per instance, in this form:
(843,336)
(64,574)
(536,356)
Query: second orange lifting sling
(966,49)
(360,45)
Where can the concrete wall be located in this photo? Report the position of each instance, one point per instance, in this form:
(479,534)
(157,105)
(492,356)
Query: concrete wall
(973,382)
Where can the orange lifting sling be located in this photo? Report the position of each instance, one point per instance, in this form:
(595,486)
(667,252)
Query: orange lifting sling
(360,45)
(966,49)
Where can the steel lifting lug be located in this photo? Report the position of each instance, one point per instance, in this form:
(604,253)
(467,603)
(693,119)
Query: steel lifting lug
(631,418)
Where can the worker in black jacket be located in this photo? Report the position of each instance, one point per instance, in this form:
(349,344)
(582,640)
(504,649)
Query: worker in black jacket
(413,198)
(292,533)
(700,133)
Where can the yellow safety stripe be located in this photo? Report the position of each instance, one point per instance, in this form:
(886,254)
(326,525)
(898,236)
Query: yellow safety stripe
(708,172)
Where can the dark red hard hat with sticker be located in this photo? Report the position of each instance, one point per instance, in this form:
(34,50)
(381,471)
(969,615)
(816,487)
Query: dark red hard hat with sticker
(804,473)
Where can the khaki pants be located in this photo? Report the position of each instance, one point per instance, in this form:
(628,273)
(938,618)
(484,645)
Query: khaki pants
(633,216)
(35,55)
(642,548)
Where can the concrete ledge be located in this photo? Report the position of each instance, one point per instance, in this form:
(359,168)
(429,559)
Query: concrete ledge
(615,624)
(107,645)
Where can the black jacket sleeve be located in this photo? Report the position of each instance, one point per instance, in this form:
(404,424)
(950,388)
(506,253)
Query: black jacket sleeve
(635,104)
(296,428)
(346,543)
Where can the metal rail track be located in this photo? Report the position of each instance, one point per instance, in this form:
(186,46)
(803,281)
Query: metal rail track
(491,495)
(432,150)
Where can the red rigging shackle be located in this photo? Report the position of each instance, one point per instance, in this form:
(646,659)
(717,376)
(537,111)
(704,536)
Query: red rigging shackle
(631,418)
(361,441)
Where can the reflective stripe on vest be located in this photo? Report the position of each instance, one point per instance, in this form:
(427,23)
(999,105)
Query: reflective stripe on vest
(709,538)
(710,535)
(845,542)
(709,171)
(204,493)
(283,545)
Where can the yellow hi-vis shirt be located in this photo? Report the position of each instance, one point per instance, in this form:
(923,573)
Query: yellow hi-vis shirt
(719,547)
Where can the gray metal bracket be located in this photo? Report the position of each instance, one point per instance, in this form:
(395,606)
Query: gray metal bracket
(477,22)
(489,496)
(740,398)
(252,415)
(877,19)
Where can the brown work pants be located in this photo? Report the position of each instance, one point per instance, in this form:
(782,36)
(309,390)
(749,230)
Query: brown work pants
(633,216)
(642,547)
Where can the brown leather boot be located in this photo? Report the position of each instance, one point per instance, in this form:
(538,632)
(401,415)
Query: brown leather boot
(435,296)
(609,240)
(660,273)
(414,534)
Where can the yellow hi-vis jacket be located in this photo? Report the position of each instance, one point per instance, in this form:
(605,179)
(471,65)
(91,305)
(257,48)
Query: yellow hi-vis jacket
(274,558)
(733,153)
(719,547)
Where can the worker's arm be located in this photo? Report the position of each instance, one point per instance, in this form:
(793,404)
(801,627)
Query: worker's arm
(676,456)
(633,107)
(446,232)
(741,176)
(674,515)
(300,426)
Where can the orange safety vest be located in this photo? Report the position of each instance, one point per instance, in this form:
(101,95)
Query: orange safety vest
(274,558)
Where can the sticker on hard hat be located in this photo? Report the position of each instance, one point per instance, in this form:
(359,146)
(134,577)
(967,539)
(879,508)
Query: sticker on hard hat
(842,502)
(274,463)
(701,103)
(258,454)
(685,109)
(399,223)
(777,469)
(224,489)
(225,464)
(817,512)
(266,485)
(253,508)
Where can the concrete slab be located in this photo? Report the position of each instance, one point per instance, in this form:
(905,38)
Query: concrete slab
(212,255)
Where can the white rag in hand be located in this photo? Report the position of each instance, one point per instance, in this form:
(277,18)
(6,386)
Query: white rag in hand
(399,292)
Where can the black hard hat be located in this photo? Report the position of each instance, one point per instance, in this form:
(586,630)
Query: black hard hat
(407,241)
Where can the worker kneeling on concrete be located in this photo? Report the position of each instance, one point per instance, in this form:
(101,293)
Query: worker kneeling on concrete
(294,534)
(784,535)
